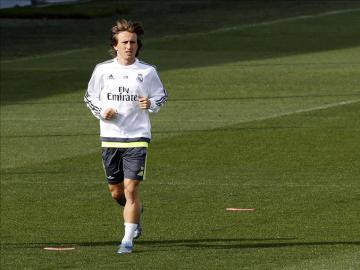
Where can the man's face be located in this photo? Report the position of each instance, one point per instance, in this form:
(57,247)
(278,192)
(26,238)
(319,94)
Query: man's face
(126,47)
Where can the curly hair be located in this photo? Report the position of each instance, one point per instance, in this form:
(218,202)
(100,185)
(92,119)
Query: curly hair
(129,26)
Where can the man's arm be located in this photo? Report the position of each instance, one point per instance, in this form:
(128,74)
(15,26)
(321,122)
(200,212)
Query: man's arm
(92,98)
(157,94)
(92,95)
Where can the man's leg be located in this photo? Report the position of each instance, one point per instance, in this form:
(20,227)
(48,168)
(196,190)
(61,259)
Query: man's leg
(134,166)
(133,204)
(117,193)
(131,214)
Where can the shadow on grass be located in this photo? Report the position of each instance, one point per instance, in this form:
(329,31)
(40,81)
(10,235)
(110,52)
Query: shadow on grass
(246,243)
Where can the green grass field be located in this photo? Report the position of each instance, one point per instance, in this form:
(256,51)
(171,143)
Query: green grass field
(263,114)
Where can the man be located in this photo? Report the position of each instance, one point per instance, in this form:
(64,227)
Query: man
(121,93)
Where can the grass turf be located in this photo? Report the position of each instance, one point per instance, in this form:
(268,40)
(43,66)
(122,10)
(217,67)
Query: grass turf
(247,125)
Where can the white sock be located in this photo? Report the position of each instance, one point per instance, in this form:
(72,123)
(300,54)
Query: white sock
(129,232)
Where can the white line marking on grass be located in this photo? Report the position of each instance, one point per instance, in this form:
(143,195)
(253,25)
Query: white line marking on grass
(317,108)
(334,12)
(40,56)
(284,185)
(286,20)
(245,26)
(277,115)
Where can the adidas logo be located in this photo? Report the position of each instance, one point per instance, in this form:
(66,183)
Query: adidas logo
(141,173)
(111,77)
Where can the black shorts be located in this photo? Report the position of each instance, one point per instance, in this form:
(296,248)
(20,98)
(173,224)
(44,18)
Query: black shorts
(120,163)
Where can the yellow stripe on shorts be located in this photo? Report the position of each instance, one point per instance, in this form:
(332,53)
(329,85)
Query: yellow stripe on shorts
(124,144)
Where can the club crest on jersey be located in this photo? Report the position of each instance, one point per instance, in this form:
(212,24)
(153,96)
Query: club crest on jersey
(140,78)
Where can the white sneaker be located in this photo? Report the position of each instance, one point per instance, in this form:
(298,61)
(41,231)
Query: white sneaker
(138,231)
(125,248)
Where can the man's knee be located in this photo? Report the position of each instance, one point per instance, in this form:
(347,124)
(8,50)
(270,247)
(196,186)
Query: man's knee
(117,193)
(131,189)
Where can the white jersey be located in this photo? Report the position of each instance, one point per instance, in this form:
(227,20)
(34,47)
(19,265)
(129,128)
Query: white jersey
(117,86)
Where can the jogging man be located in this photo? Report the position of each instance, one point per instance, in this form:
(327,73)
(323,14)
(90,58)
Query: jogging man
(121,93)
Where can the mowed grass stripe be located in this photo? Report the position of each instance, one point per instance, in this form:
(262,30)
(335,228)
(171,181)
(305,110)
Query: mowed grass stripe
(241,27)
(50,117)
(309,123)
(173,128)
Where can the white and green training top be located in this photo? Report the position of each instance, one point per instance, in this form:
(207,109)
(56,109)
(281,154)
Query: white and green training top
(119,87)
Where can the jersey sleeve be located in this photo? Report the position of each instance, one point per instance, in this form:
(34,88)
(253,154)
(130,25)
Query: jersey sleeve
(157,93)
(92,95)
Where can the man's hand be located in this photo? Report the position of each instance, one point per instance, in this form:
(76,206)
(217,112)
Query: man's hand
(109,113)
(144,103)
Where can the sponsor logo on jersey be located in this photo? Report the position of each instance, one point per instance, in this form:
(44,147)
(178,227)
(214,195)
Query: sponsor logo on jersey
(123,95)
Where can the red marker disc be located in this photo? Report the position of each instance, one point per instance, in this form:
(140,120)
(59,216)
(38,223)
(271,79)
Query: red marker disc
(240,209)
(59,248)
